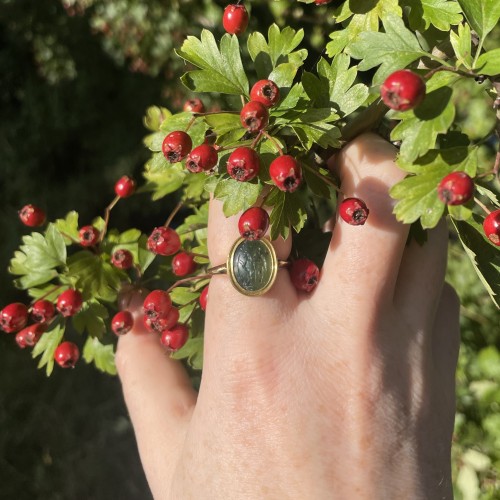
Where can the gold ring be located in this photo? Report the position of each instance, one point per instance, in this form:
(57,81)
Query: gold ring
(252,266)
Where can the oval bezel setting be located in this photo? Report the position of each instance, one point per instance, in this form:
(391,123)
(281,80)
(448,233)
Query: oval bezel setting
(263,243)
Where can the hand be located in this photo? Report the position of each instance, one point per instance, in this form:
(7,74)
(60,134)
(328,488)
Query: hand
(345,393)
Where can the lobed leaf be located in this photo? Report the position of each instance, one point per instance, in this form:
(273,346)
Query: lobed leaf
(220,70)
(442,14)
(103,356)
(47,346)
(91,319)
(485,256)
(288,211)
(392,50)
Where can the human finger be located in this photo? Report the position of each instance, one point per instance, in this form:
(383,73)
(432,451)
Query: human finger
(159,398)
(421,277)
(368,255)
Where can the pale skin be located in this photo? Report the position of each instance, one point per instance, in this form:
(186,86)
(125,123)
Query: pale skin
(344,393)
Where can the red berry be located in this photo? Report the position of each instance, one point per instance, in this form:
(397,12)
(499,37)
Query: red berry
(286,173)
(157,305)
(122,259)
(194,105)
(125,187)
(403,90)
(122,322)
(202,159)
(164,241)
(183,263)
(21,339)
(253,223)
(266,92)
(89,236)
(42,311)
(204,298)
(32,216)
(66,355)
(491,226)
(13,317)
(176,146)
(354,211)
(69,302)
(159,325)
(235,19)
(175,338)
(254,116)
(456,188)
(304,274)
(322,2)
(243,164)
(30,335)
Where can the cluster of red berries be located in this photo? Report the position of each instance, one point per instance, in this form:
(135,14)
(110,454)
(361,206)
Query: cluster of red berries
(14,318)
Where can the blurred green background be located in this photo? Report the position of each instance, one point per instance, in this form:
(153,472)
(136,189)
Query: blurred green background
(76,78)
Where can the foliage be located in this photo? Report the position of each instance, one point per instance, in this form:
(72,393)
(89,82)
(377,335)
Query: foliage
(452,44)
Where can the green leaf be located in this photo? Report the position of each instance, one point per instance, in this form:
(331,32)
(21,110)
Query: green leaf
(314,183)
(417,194)
(195,225)
(162,177)
(485,256)
(182,295)
(47,345)
(103,356)
(37,258)
(222,123)
(442,14)
(462,45)
(95,277)
(192,351)
(194,187)
(220,71)
(91,319)
(492,197)
(489,63)
(340,77)
(68,227)
(154,117)
(277,60)
(420,127)
(392,50)
(287,211)
(144,257)
(365,16)
(236,196)
(482,15)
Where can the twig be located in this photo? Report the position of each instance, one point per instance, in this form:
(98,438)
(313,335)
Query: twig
(273,140)
(107,212)
(482,205)
(187,280)
(173,214)
(322,177)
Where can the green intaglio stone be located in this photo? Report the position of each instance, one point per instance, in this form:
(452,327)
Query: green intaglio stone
(253,266)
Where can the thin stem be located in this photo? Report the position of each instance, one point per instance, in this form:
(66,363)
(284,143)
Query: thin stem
(193,228)
(468,74)
(478,53)
(173,214)
(45,295)
(439,60)
(482,205)
(208,113)
(322,177)
(187,280)
(242,100)
(273,140)
(265,198)
(107,213)
(190,124)
(256,140)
